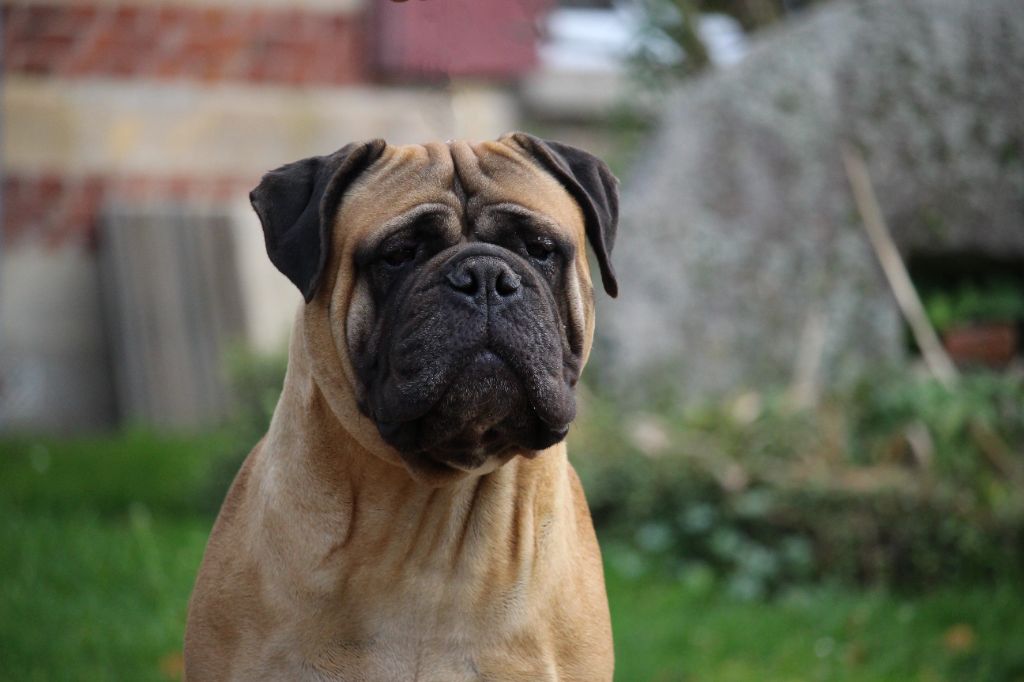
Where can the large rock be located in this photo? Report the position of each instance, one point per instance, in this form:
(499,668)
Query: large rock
(741,257)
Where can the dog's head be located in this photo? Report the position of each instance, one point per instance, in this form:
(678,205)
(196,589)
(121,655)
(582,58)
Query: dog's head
(452,280)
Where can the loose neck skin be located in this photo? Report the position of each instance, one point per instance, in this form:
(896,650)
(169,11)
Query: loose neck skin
(359,508)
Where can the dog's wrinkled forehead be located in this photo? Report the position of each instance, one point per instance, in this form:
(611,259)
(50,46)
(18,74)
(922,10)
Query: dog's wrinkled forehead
(361,186)
(465,178)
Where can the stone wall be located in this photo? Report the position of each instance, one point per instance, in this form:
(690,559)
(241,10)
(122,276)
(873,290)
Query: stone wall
(742,261)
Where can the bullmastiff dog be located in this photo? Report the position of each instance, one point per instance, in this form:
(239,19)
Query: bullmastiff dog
(411,513)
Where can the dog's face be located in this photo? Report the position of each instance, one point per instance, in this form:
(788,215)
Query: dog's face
(457,282)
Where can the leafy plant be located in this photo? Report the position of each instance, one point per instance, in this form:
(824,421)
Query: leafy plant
(670,45)
(899,483)
(256,380)
(973,304)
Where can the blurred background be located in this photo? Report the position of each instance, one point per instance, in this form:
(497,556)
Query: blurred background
(802,429)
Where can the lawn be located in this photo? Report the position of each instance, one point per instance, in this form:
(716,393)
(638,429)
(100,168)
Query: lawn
(674,630)
(102,539)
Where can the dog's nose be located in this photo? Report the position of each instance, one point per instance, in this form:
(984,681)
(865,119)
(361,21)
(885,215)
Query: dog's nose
(484,278)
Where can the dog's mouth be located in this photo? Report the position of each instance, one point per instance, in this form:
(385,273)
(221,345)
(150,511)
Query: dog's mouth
(486,414)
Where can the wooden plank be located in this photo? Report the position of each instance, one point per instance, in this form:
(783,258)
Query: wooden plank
(173,310)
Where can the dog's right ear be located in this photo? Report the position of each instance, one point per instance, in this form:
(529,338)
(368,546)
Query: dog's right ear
(296,204)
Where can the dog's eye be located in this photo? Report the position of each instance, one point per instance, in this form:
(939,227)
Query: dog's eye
(399,255)
(540,248)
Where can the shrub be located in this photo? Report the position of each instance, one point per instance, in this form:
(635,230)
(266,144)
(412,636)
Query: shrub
(997,302)
(899,483)
(256,380)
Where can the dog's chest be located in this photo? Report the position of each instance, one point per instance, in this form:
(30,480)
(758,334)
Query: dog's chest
(432,659)
(409,616)
(426,656)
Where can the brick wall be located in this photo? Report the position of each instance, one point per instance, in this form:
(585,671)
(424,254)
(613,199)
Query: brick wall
(257,45)
(153,47)
(55,209)
(262,45)
(174,102)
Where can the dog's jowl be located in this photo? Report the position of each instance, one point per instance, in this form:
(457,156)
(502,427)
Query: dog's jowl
(411,513)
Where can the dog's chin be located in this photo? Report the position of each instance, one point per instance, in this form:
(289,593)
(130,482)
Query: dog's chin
(483,419)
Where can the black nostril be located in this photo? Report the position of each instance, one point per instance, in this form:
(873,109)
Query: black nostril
(462,279)
(484,278)
(507,283)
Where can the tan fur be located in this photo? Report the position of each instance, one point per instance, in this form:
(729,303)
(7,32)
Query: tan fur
(330,560)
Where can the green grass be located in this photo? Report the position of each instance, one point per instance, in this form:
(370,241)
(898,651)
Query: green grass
(170,475)
(677,630)
(85,597)
(101,540)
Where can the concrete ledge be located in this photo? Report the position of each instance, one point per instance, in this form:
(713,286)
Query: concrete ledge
(86,126)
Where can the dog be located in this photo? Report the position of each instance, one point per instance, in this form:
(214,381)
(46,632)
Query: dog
(411,513)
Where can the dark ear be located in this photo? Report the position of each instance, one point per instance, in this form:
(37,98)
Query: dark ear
(591,183)
(296,204)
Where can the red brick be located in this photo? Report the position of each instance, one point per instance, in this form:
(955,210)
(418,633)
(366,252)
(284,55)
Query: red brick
(147,24)
(211,44)
(52,48)
(49,187)
(129,187)
(126,15)
(42,20)
(80,16)
(35,67)
(288,24)
(30,204)
(13,17)
(172,15)
(14,56)
(175,187)
(260,23)
(165,66)
(256,71)
(213,20)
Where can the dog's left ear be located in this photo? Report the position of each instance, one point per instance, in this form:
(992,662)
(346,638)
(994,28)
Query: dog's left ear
(591,183)
(297,204)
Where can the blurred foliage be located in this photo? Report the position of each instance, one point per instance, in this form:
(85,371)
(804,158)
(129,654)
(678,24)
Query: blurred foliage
(690,629)
(102,537)
(110,476)
(628,131)
(900,483)
(972,303)
(677,21)
(101,545)
(755,14)
(86,596)
(256,380)
(144,469)
(700,511)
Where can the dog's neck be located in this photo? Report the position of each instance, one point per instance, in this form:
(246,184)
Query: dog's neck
(352,501)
